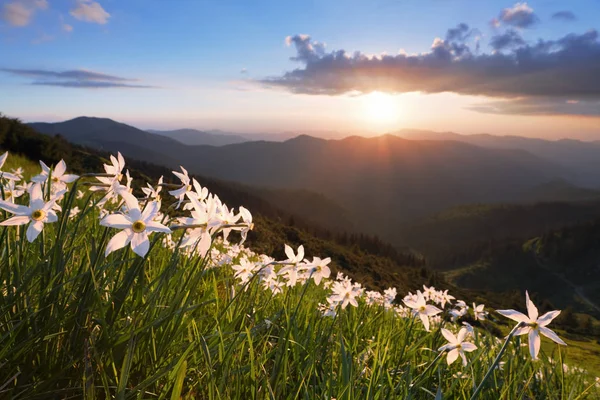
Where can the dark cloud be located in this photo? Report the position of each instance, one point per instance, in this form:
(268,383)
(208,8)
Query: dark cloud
(537,106)
(564,67)
(509,39)
(520,16)
(74,78)
(564,16)
(458,34)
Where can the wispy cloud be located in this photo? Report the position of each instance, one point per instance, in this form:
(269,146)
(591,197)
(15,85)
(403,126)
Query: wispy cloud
(20,12)
(90,84)
(564,16)
(540,106)
(77,78)
(90,11)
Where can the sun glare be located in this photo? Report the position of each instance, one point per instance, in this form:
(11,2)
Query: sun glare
(380,108)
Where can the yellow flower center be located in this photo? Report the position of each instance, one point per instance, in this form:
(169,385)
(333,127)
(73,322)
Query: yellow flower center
(55,179)
(422,308)
(8,194)
(138,226)
(38,215)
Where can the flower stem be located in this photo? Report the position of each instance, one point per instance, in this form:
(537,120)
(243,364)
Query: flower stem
(497,360)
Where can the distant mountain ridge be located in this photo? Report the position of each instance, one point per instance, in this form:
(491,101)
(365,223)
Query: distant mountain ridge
(381,181)
(196,137)
(581,158)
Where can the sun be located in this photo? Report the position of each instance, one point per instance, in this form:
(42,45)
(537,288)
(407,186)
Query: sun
(380,108)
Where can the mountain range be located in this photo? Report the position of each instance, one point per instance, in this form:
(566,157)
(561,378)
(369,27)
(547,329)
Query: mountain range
(382,185)
(581,158)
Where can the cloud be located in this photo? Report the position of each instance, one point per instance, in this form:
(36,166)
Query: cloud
(519,16)
(547,69)
(20,12)
(90,11)
(77,78)
(567,66)
(564,16)
(506,40)
(244,71)
(67,27)
(537,106)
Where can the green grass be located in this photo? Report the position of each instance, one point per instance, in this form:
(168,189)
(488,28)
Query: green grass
(77,324)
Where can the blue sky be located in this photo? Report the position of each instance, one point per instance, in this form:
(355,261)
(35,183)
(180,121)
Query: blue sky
(185,59)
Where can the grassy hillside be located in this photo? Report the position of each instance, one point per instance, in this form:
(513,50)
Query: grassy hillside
(458,235)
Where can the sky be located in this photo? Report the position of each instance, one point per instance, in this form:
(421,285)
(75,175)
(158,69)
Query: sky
(353,67)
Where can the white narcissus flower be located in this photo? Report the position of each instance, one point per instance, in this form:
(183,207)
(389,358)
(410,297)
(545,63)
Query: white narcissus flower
(293,260)
(59,178)
(344,293)
(12,192)
(186,186)
(456,346)
(478,312)
(533,325)
(6,175)
(37,214)
(136,225)
(318,268)
(200,237)
(423,310)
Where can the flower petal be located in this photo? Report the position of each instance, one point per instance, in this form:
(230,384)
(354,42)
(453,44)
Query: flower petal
(119,241)
(60,169)
(118,221)
(152,226)
(14,208)
(468,346)
(449,336)
(425,320)
(18,220)
(534,343)
(140,243)
(130,200)
(550,334)
(68,178)
(531,308)
(289,253)
(432,310)
(514,315)
(452,356)
(545,319)
(34,230)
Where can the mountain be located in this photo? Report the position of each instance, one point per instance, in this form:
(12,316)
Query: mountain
(108,135)
(579,157)
(196,137)
(382,182)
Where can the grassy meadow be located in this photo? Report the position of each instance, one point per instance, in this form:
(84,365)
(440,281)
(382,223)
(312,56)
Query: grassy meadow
(194,314)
